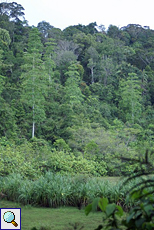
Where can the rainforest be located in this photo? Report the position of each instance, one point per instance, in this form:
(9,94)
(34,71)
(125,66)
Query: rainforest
(78,101)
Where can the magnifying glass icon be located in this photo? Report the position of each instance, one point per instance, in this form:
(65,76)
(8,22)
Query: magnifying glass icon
(9,217)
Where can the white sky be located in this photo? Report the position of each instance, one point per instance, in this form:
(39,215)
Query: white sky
(63,13)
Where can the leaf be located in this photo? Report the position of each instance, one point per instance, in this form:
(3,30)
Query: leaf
(99,227)
(103,202)
(88,209)
(120,211)
(139,222)
(95,204)
(136,195)
(138,214)
(148,209)
(110,209)
(130,217)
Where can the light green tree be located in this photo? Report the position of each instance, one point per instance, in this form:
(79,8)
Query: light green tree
(34,79)
(48,57)
(130,102)
(4,37)
(73,93)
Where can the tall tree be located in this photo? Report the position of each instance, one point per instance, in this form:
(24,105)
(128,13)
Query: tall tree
(73,93)
(49,56)
(44,28)
(92,61)
(34,79)
(13,10)
(130,103)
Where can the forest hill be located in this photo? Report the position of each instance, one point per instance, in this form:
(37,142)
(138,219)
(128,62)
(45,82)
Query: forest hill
(81,92)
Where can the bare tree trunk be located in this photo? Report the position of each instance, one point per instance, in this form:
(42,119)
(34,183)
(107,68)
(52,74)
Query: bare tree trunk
(132,112)
(105,79)
(92,75)
(33,127)
(33,108)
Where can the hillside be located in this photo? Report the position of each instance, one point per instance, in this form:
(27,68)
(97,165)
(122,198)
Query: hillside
(74,99)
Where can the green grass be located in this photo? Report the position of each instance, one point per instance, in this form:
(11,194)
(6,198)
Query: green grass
(112,179)
(54,219)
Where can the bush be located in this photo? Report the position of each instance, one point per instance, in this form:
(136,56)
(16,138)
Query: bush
(34,159)
(18,159)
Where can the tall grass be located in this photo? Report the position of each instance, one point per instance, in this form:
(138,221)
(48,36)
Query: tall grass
(54,190)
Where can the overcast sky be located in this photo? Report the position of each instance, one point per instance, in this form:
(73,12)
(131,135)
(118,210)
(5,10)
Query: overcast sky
(63,13)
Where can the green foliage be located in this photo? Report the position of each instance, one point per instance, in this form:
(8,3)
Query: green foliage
(87,94)
(89,97)
(139,201)
(73,93)
(34,81)
(54,190)
(139,217)
(131,98)
(61,145)
(18,159)
(44,27)
(4,38)
(33,159)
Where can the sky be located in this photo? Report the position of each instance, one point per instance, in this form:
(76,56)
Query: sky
(64,13)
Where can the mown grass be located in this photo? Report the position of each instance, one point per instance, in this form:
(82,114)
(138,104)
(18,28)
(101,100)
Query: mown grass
(65,218)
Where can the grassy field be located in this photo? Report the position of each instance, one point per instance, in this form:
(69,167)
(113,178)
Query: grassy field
(55,219)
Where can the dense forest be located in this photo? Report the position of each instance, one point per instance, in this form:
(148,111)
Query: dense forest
(78,100)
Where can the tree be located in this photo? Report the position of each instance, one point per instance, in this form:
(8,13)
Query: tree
(44,28)
(89,29)
(73,93)
(130,103)
(1,77)
(7,123)
(113,31)
(4,38)
(49,56)
(13,10)
(107,70)
(63,60)
(92,61)
(72,30)
(34,79)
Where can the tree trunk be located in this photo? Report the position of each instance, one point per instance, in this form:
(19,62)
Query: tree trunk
(132,111)
(33,128)
(92,75)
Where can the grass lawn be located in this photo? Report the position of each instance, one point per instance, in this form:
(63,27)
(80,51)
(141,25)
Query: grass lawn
(56,219)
